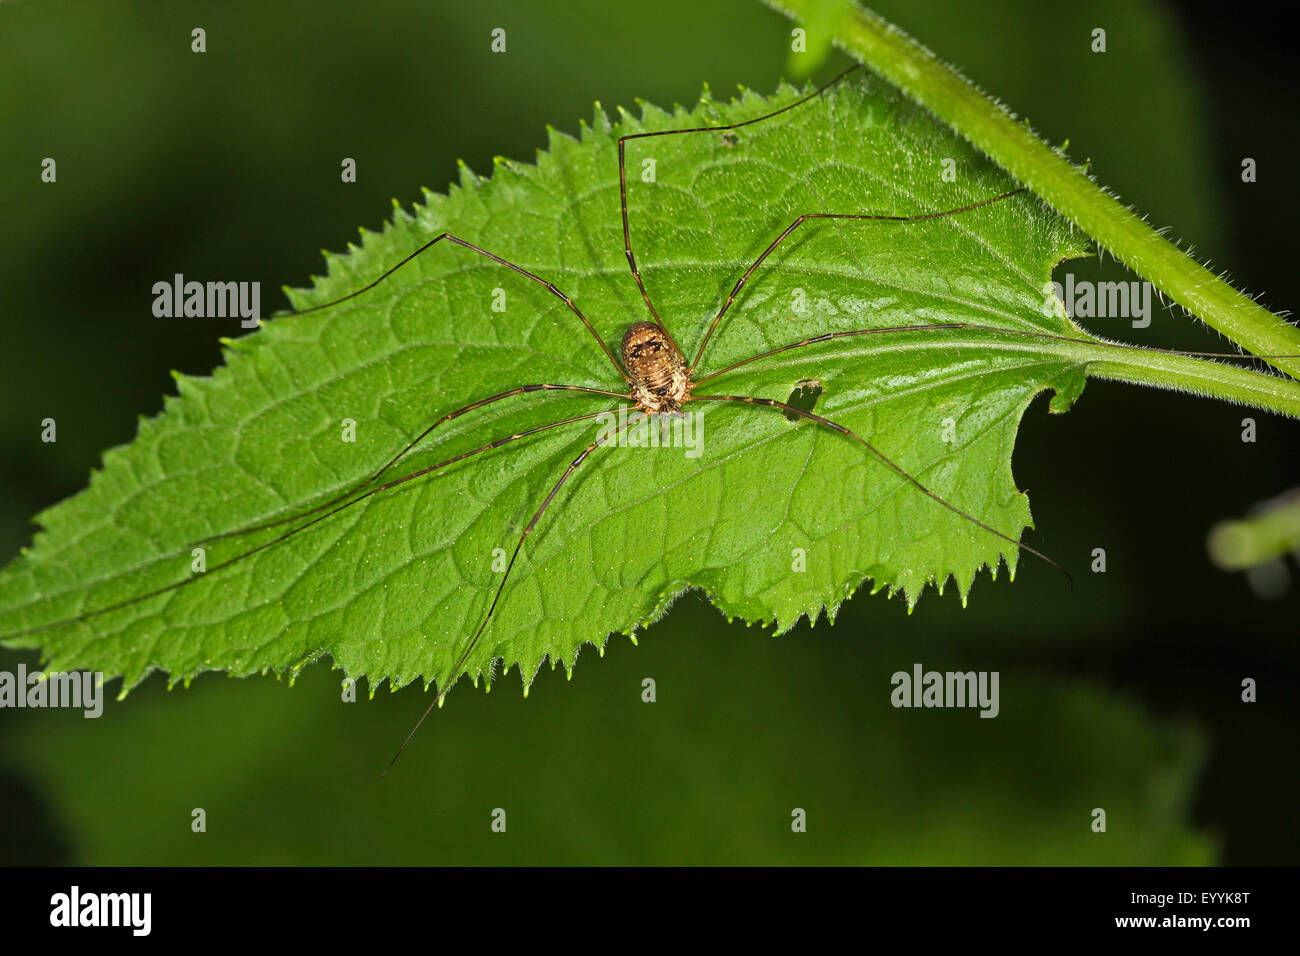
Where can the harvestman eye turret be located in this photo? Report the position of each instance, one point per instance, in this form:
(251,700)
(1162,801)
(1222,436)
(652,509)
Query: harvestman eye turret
(658,381)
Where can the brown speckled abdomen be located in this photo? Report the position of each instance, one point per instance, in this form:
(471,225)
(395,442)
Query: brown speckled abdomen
(658,371)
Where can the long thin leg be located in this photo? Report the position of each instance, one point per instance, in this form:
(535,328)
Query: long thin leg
(495,258)
(303,527)
(740,283)
(953,326)
(827,336)
(897,469)
(622,180)
(464,656)
(409,446)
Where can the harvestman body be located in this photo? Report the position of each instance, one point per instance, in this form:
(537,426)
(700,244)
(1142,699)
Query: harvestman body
(658,378)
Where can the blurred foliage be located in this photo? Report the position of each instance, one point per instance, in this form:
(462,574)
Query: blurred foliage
(1259,543)
(1271,530)
(588,773)
(226,165)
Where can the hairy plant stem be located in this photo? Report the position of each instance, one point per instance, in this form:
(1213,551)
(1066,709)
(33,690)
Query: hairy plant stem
(902,61)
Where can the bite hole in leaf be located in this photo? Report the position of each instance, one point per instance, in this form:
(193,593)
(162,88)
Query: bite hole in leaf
(804,397)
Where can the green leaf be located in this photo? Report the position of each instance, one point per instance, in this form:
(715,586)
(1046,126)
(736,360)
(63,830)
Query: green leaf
(394,587)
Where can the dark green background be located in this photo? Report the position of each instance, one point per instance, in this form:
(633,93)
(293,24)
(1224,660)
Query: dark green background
(1122,695)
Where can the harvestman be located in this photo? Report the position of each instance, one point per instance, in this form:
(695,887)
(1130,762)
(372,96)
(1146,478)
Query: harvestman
(658,379)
